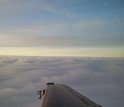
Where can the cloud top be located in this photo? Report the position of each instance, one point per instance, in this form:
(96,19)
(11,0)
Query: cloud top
(99,79)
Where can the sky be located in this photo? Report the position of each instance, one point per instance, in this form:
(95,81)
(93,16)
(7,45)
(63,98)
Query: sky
(99,79)
(88,28)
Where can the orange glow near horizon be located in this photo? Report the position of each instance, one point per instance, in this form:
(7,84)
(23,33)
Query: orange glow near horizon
(72,52)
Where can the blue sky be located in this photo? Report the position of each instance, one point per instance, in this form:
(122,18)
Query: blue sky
(62,24)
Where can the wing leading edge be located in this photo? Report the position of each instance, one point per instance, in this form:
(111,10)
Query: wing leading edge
(58,95)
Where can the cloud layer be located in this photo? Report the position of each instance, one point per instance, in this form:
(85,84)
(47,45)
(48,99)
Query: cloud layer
(99,79)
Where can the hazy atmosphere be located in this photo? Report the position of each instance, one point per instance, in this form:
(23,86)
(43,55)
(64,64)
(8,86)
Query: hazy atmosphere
(79,43)
(91,28)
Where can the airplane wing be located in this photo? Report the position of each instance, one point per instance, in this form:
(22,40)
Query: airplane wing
(58,95)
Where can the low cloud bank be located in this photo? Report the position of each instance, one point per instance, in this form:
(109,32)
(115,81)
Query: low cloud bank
(99,79)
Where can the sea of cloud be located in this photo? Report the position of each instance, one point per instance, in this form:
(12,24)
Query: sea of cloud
(99,79)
